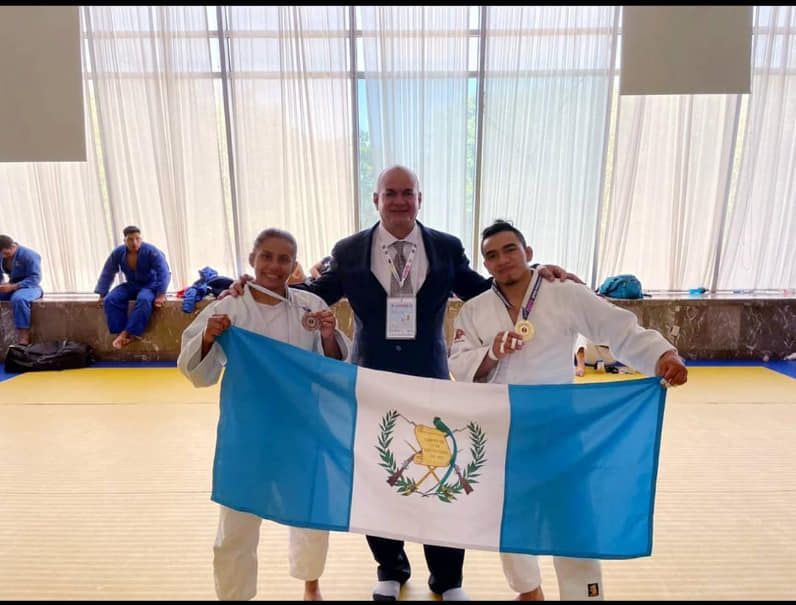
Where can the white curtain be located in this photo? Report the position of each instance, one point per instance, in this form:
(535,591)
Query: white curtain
(57,208)
(415,62)
(689,179)
(546,110)
(670,179)
(291,118)
(758,251)
(158,114)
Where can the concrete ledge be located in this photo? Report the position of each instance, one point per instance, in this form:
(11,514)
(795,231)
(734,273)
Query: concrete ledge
(741,327)
(83,320)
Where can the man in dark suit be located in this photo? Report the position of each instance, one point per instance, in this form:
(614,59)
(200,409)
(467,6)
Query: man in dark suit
(398,277)
(400,265)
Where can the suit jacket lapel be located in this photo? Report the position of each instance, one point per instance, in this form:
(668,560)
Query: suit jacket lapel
(365,256)
(431,249)
(431,254)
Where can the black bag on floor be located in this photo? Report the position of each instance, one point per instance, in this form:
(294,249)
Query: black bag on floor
(53,355)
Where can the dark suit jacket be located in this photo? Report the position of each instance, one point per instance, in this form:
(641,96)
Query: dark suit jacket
(350,276)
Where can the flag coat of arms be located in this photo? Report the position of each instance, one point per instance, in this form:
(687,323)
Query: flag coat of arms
(309,441)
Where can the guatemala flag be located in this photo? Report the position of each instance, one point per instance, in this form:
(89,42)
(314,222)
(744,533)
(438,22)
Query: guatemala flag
(309,441)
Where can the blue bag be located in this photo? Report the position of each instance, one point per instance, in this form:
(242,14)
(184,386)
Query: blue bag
(621,286)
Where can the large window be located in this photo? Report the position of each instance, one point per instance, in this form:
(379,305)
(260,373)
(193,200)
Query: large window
(207,124)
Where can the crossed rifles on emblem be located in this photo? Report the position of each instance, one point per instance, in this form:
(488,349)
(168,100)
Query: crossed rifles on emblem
(434,454)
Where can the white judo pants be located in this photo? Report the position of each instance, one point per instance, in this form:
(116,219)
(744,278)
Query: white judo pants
(235,554)
(578,579)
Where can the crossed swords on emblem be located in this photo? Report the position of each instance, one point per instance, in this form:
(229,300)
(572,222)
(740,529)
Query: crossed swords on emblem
(434,455)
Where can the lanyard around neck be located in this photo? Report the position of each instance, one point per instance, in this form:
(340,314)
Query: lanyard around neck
(407,267)
(526,310)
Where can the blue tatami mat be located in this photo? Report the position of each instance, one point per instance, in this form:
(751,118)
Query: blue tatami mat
(5,375)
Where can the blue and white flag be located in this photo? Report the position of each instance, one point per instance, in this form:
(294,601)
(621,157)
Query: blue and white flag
(309,441)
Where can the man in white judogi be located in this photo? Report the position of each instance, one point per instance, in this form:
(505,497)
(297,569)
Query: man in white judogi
(302,319)
(523,331)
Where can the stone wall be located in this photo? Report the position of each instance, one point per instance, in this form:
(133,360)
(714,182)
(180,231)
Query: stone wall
(708,327)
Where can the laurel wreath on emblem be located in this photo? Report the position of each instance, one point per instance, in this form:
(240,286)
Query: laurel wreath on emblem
(446,491)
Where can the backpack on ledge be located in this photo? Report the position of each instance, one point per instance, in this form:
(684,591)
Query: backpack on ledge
(47,356)
(621,286)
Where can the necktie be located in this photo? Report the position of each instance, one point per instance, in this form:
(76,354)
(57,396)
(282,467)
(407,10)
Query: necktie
(399,260)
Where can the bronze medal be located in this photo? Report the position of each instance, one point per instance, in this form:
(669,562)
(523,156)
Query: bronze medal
(525,329)
(309,322)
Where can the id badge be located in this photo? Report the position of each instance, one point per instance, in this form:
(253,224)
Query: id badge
(401,318)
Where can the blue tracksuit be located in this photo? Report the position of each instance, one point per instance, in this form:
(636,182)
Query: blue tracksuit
(150,279)
(25,270)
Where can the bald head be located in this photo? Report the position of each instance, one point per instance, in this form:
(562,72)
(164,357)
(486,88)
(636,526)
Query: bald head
(396,169)
(398,199)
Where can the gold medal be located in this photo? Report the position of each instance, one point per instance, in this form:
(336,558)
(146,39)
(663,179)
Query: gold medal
(525,329)
(309,322)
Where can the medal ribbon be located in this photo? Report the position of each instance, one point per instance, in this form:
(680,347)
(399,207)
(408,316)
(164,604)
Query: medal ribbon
(265,290)
(526,310)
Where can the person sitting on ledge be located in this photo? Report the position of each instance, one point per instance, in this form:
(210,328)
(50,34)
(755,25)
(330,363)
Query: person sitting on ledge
(23,266)
(147,276)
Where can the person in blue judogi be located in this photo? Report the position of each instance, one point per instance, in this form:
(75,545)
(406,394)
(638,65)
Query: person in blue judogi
(147,276)
(23,266)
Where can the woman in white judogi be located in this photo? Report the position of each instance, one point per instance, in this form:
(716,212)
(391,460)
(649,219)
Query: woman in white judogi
(488,346)
(273,258)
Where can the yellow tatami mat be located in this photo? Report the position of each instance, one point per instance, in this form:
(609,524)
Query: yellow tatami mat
(104,386)
(594,376)
(735,385)
(167,385)
(107,502)
(724,384)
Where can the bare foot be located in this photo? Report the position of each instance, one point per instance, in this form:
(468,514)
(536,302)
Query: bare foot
(312,591)
(23,337)
(122,340)
(580,362)
(533,595)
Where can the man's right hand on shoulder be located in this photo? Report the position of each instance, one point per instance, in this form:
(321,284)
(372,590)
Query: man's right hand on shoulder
(236,289)
(554,272)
